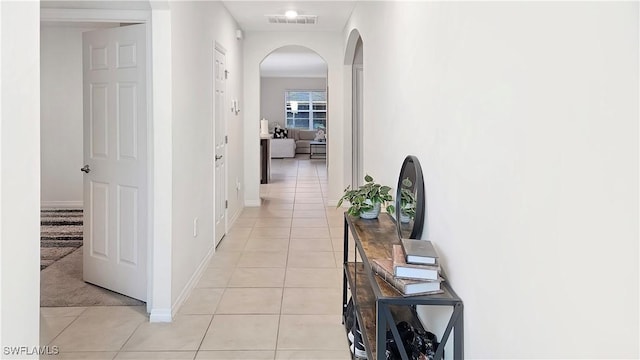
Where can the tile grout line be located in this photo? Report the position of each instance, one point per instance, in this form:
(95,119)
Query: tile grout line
(129,338)
(286,268)
(204,335)
(66,327)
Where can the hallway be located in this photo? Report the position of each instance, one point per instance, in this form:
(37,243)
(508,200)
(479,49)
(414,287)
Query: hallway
(515,125)
(272,290)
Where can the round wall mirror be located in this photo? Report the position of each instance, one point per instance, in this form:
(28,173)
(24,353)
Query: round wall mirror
(410,199)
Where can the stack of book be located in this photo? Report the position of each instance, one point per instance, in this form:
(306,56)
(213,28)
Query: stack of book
(414,269)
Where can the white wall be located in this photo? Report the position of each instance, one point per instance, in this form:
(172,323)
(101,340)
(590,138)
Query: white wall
(272,91)
(61,115)
(256,47)
(525,119)
(19,175)
(161,180)
(195,27)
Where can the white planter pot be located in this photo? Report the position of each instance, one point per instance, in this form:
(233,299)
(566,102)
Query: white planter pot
(371,214)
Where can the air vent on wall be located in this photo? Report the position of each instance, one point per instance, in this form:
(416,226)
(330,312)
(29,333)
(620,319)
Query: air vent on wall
(300,19)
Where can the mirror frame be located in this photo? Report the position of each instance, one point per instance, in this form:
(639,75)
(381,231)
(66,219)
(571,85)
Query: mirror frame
(418,221)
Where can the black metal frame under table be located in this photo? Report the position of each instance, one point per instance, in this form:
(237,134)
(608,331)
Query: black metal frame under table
(379,306)
(316,144)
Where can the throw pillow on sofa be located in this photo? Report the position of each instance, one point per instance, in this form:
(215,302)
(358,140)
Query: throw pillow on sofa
(280,133)
(320,136)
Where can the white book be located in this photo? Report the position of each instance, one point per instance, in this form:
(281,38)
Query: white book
(419,252)
(412,271)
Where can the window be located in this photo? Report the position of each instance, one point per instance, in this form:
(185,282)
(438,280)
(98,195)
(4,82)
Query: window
(306,109)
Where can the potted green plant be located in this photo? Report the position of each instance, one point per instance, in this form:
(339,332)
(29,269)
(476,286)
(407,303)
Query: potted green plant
(367,199)
(407,201)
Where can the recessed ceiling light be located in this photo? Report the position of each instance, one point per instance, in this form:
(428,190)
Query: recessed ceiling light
(291,14)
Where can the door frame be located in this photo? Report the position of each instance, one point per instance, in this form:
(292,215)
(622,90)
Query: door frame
(350,69)
(159,193)
(218,47)
(357,123)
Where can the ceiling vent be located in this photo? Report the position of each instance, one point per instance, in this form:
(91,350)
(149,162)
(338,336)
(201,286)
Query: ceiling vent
(300,19)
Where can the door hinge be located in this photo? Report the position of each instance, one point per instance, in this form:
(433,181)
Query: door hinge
(226,139)
(226,204)
(226,74)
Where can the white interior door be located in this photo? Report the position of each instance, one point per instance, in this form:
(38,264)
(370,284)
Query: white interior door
(220,146)
(115,143)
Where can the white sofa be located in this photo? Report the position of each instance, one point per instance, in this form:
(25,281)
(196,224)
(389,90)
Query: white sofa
(283,148)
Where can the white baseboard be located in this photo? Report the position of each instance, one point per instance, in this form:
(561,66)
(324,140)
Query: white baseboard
(61,205)
(232,219)
(252,203)
(191,284)
(160,315)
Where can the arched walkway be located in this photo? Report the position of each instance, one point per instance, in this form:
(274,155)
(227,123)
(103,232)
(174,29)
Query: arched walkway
(257,47)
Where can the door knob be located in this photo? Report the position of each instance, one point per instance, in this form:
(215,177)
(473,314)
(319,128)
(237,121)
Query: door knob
(218,157)
(85,169)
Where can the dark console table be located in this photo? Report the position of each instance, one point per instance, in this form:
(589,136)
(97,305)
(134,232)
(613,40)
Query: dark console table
(265,160)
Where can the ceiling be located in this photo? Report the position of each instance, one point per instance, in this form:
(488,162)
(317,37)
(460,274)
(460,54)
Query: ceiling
(289,61)
(293,61)
(251,15)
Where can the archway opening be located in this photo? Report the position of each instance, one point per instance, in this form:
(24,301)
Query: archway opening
(354,66)
(293,112)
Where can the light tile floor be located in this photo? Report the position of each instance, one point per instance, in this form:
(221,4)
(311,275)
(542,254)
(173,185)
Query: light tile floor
(271,291)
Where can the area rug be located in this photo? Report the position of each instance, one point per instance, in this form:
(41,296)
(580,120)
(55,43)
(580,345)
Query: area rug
(61,284)
(60,234)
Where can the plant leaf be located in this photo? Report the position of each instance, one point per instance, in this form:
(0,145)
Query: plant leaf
(368,178)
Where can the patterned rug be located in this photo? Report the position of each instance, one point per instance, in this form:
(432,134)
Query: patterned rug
(60,234)
(61,284)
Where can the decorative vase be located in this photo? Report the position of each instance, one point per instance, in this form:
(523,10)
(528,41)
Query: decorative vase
(371,214)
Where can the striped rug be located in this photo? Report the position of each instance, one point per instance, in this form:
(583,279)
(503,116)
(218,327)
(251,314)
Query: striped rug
(60,234)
